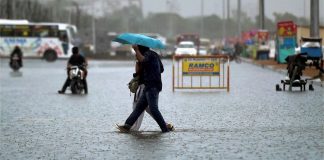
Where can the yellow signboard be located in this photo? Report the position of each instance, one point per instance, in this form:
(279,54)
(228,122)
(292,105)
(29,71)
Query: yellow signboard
(200,67)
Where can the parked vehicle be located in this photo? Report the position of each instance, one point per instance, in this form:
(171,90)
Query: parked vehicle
(194,38)
(227,51)
(186,48)
(204,46)
(203,50)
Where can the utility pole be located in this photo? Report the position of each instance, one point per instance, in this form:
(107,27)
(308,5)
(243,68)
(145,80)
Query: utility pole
(8,10)
(261,14)
(228,9)
(13,5)
(93,28)
(170,5)
(142,16)
(58,17)
(202,18)
(314,26)
(128,17)
(77,18)
(239,30)
(54,11)
(224,21)
(304,9)
(228,16)
(141,7)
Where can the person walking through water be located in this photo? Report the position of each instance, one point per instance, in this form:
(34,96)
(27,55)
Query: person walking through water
(139,73)
(152,69)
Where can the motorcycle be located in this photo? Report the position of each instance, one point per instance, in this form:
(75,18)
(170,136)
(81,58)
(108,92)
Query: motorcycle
(14,63)
(76,76)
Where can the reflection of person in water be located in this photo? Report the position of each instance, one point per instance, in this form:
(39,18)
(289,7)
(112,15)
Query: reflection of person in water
(65,44)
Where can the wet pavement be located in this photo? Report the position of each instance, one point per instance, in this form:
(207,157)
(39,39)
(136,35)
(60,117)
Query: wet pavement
(252,121)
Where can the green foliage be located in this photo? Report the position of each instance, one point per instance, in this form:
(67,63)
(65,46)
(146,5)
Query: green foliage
(288,16)
(130,19)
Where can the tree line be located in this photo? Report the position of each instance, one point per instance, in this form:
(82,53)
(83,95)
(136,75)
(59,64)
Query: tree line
(130,19)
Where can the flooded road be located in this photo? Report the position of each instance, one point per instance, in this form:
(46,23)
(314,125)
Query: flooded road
(252,121)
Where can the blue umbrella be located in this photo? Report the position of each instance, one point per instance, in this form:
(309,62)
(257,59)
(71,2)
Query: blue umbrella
(139,39)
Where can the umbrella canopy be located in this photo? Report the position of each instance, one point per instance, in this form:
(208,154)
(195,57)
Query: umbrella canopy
(139,39)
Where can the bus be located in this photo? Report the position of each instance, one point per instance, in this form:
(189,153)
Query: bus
(43,40)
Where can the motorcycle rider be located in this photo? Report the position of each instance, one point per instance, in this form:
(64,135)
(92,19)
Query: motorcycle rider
(76,60)
(16,52)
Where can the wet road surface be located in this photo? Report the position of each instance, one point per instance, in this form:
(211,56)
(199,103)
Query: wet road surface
(252,121)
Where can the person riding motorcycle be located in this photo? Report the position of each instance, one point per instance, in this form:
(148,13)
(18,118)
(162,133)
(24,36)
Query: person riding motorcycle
(76,60)
(16,52)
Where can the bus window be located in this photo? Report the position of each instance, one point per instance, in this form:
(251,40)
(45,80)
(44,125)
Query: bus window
(7,31)
(23,31)
(53,31)
(39,31)
(63,36)
(72,32)
(45,31)
(65,41)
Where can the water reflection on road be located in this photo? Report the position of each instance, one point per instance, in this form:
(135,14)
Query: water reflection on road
(252,121)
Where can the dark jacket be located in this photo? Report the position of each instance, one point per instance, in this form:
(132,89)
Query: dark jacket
(152,69)
(17,51)
(77,60)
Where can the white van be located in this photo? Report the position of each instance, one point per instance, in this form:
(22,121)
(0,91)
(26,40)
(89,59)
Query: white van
(186,48)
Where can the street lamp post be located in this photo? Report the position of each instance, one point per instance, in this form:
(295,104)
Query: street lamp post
(93,28)
(261,14)
(239,18)
(77,18)
(314,28)
(224,21)
(13,5)
(171,7)
(202,18)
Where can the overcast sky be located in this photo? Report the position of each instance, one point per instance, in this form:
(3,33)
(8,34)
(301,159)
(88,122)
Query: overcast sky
(187,8)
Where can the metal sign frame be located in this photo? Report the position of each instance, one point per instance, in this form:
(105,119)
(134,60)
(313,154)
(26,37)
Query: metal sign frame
(220,73)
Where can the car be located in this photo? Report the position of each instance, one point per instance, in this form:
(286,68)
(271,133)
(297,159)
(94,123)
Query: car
(214,51)
(118,49)
(186,48)
(203,50)
(227,51)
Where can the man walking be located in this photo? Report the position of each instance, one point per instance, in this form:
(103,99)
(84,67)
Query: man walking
(152,68)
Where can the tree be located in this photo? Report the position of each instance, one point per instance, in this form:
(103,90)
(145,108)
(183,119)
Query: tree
(269,24)
(288,16)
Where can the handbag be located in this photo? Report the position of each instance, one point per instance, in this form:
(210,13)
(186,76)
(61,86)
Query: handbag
(134,84)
